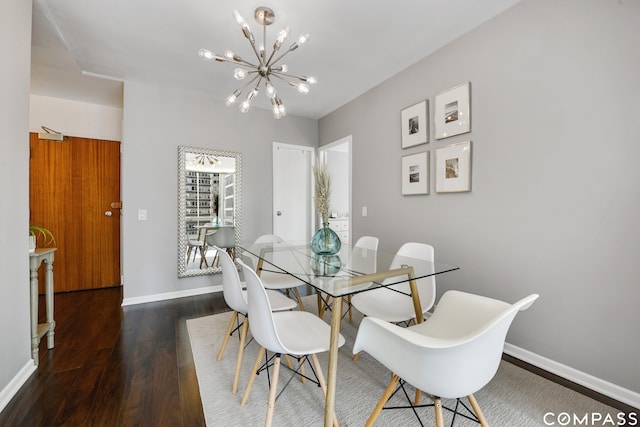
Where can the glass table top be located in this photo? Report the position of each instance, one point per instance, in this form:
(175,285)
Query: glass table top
(351,271)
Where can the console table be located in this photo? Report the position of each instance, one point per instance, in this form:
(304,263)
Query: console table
(43,255)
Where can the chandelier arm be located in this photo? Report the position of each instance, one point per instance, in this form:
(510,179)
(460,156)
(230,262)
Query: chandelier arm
(249,83)
(272,63)
(243,62)
(255,51)
(278,73)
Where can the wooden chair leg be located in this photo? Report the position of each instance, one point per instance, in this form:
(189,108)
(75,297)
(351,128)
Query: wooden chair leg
(243,338)
(355,357)
(320,305)
(252,376)
(323,305)
(477,410)
(289,362)
(303,379)
(416,401)
(297,294)
(272,391)
(437,405)
(323,385)
(383,400)
(232,322)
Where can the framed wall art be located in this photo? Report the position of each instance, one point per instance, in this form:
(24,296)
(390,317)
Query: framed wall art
(415,124)
(452,111)
(453,168)
(415,174)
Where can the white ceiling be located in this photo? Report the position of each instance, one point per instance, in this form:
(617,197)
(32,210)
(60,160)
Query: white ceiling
(354,44)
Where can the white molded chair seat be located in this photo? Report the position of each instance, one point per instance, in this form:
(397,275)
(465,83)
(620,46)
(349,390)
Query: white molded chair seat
(296,333)
(392,306)
(236,299)
(453,354)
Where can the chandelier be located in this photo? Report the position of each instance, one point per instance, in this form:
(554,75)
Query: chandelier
(267,69)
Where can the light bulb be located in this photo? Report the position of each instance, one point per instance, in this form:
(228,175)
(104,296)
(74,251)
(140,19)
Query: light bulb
(303,38)
(239,73)
(228,55)
(269,90)
(310,79)
(276,112)
(284,68)
(245,105)
(206,54)
(302,88)
(239,19)
(282,35)
(231,99)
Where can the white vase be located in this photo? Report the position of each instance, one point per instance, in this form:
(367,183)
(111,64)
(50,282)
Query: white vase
(32,244)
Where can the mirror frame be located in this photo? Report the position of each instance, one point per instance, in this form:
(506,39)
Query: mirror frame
(182,211)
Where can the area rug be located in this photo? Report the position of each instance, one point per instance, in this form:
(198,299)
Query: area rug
(515,397)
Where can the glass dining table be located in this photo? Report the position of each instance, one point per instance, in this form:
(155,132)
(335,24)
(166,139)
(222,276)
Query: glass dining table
(351,271)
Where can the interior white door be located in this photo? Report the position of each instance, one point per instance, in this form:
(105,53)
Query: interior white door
(292,170)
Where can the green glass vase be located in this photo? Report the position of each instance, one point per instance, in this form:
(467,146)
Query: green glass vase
(325,241)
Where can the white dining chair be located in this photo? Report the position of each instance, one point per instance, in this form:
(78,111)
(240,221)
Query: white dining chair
(271,277)
(236,299)
(453,354)
(296,333)
(223,238)
(394,303)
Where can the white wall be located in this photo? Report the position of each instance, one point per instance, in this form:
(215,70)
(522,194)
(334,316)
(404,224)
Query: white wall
(75,118)
(555,200)
(15,333)
(156,121)
(338,168)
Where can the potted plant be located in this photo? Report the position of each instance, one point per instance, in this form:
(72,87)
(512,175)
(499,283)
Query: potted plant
(45,234)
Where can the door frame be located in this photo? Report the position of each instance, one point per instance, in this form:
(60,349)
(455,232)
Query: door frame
(346,141)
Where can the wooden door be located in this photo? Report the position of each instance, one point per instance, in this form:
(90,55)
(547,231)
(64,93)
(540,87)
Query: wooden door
(74,191)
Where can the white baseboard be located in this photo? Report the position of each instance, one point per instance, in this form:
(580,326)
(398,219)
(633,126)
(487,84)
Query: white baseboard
(14,385)
(171,295)
(606,388)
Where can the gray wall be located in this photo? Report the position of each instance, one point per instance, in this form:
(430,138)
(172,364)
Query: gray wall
(15,51)
(157,120)
(555,200)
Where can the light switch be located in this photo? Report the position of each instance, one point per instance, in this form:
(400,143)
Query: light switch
(142,214)
(364,211)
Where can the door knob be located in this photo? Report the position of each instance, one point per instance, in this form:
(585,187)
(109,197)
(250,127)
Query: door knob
(108,213)
(279,213)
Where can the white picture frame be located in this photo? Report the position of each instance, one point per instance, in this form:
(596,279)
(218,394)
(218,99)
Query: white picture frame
(415,174)
(452,112)
(415,124)
(453,168)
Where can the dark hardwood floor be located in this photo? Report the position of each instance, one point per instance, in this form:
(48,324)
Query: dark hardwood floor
(115,366)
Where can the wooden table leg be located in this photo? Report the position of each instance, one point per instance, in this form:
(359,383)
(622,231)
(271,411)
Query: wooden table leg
(415,295)
(332,374)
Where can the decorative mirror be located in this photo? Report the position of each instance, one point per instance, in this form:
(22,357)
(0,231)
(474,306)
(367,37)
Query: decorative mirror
(209,204)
